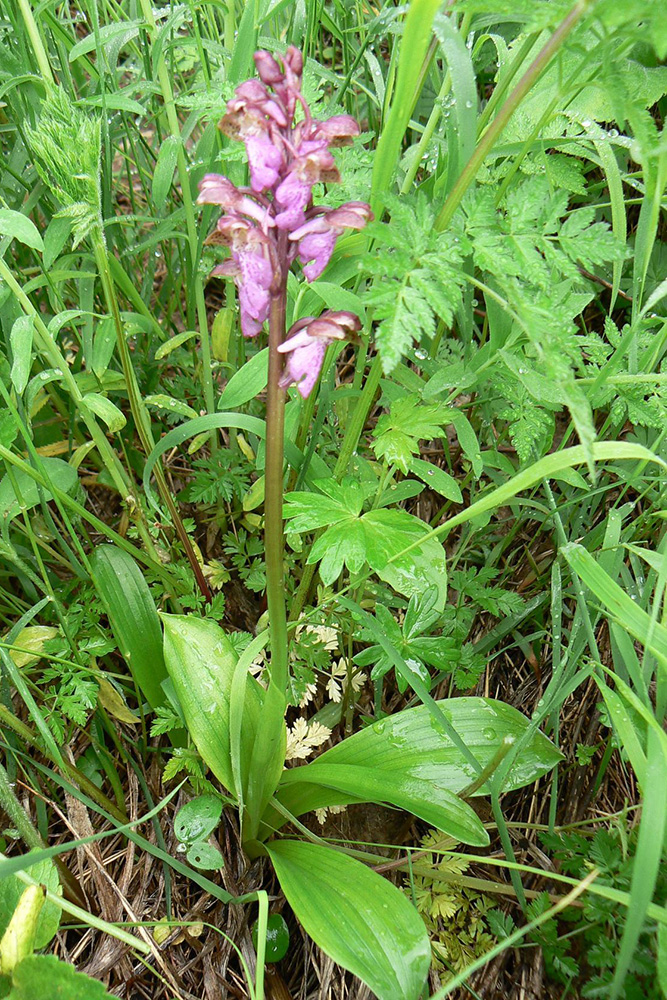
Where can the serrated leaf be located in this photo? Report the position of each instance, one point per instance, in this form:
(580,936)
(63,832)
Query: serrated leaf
(362,921)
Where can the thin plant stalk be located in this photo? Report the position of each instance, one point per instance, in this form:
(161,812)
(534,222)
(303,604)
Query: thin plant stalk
(273,495)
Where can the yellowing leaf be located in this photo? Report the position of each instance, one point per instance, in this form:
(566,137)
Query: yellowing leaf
(114,704)
(31,641)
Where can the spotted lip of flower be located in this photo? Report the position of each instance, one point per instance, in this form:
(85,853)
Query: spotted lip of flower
(307,343)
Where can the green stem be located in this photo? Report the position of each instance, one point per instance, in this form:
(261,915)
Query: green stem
(273,496)
(17,815)
(37,43)
(496,127)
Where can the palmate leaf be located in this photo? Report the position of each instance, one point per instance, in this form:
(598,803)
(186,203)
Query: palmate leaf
(354,540)
(361,920)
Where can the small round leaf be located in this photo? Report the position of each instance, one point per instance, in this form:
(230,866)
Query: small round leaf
(197,819)
(277,938)
(204,856)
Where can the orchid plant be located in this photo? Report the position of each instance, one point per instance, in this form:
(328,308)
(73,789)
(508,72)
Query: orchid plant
(427,760)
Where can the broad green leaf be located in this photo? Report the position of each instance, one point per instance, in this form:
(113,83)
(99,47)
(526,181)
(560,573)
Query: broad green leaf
(435,804)
(116,102)
(133,618)
(163,402)
(387,533)
(410,744)
(119,32)
(361,920)
(31,642)
(55,238)
(164,169)
(247,382)
(21,228)
(201,661)
(105,410)
(198,818)
(20,340)
(61,474)
(45,976)
(11,890)
(104,343)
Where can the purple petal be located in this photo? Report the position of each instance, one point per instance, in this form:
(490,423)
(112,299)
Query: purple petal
(265,161)
(338,130)
(317,248)
(216,189)
(304,365)
(268,68)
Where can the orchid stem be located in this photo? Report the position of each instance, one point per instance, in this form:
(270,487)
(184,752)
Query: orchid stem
(273,495)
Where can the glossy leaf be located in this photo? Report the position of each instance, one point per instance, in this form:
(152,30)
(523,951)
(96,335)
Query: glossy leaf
(197,819)
(361,920)
(21,343)
(201,660)
(424,797)
(277,938)
(410,744)
(204,856)
(133,618)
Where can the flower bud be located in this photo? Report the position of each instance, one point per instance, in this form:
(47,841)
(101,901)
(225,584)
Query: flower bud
(269,71)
